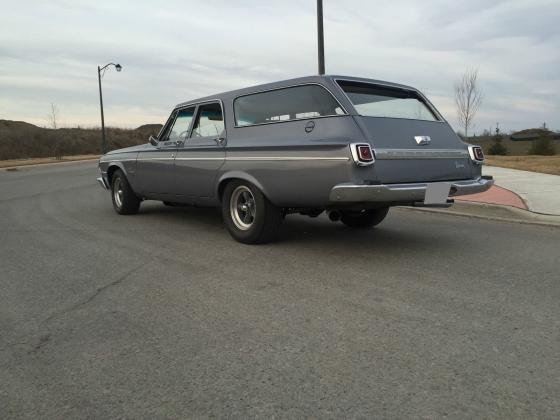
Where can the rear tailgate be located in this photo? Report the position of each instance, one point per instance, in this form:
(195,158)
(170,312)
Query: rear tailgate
(411,141)
(408,150)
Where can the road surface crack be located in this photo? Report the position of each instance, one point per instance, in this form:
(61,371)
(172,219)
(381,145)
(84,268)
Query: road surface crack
(97,292)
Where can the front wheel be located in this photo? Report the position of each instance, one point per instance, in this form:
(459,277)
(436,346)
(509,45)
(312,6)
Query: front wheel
(365,218)
(248,215)
(124,199)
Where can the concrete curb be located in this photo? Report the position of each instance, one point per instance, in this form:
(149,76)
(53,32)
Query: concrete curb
(494,212)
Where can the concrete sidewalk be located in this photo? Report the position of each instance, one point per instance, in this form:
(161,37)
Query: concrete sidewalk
(541,192)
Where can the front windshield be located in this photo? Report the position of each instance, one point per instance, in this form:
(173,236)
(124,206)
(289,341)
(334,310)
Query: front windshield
(379,101)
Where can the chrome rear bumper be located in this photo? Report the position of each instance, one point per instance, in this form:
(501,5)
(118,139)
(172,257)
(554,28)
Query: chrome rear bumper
(346,193)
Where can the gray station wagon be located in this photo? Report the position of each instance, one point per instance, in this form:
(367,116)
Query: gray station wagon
(349,146)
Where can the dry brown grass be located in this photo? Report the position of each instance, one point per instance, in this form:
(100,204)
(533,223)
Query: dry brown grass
(543,164)
(11,163)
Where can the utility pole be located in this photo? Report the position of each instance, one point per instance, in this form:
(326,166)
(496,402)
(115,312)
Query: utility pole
(320,37)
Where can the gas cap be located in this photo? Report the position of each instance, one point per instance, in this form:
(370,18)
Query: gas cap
(309,126)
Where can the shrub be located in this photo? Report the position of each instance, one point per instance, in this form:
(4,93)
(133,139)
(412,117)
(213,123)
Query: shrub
(542,146)
(497,148)
(22,140)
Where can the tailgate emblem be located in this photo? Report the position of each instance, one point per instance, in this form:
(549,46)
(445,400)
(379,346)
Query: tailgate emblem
(422,140)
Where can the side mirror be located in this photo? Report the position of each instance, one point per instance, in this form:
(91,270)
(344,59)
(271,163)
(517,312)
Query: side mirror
(153,141)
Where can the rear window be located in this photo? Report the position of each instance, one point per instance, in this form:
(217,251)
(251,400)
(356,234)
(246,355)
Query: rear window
(378,101)
(293,103)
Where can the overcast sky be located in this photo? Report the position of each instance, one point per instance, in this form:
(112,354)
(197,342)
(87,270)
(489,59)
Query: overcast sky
(172,51)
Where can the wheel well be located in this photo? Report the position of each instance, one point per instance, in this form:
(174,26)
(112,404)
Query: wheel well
(110,171)
(222,186)
(224,182)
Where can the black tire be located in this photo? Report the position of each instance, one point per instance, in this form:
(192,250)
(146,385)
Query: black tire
(364,219)
(260,220)
(124,199)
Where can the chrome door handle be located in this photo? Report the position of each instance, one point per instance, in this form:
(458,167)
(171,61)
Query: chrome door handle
(220,140)
(172,155)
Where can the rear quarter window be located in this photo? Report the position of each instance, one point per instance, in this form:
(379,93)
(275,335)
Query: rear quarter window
(292,103)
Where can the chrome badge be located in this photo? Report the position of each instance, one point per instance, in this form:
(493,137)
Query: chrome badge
(422,140)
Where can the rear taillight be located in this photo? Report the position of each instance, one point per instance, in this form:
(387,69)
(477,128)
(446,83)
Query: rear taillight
(476,154)
(362,154)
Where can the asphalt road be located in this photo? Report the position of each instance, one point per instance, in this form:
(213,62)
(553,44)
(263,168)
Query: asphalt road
(163,315)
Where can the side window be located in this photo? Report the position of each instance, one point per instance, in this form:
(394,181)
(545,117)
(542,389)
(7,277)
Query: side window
(209,122)
(285,104)
(180,129)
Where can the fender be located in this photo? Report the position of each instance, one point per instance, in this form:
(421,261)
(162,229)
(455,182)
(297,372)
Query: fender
(237,175)
(130,173)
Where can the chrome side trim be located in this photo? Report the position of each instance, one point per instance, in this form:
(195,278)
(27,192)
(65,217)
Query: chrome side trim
(268,158)
(200,158)
(421,154)
(162,158)
(117,160)
(253,158)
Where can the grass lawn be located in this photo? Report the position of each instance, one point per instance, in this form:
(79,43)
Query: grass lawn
(543,164)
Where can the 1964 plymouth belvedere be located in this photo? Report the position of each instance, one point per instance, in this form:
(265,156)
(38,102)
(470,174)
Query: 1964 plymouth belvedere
(349,146)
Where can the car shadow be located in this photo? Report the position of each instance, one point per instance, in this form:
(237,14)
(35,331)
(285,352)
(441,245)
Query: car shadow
(393,233)
(390,234)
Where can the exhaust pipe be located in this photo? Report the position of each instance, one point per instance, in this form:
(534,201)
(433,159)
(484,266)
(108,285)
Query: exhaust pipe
(334,215)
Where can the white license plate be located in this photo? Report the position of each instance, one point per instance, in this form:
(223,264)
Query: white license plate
(437,193)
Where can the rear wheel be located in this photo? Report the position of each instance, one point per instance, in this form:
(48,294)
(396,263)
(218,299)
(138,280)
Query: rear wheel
(365,218)
(248,215)
(124,199)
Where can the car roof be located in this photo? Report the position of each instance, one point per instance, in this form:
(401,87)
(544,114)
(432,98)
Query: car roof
(322,79)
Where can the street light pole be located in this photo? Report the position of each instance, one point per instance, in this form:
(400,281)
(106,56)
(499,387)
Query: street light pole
(104,140)
(103,135)
(320,37)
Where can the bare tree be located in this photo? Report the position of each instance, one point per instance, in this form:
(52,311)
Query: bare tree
(53,117)
(468,98)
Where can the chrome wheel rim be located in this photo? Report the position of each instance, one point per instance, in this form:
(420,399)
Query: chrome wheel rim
(118,192)
(242,207)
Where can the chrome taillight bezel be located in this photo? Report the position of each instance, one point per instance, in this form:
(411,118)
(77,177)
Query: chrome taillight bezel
(477,154)
(357,155)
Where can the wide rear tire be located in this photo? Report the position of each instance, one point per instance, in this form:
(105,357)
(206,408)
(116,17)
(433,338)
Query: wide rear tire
(124,199)
(364,219)
(248,215)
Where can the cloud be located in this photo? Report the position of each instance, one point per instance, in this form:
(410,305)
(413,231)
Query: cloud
(49,52)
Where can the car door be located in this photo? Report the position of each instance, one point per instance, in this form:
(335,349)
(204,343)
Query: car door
(200,156)
(155,166)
